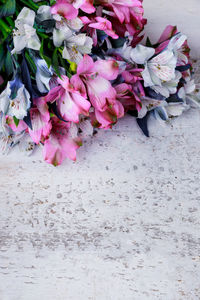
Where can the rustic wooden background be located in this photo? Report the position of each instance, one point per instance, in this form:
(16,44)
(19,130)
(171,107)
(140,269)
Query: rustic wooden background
(122,223)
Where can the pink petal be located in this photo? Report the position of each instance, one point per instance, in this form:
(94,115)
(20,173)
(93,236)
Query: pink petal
(60,145)
(88,7)
(53,95)
(110,116)
(78,85)
(71,105)
(65,9)
(83,104)
(168,33)
(99,90)
(108,69)
(40,125)
(21,126)
(68,109)
(86,65)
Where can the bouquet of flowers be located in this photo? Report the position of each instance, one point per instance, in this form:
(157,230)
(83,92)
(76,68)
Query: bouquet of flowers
(68,67)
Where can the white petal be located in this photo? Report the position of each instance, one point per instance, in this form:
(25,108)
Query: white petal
(140,54)
(34,43)
(20,43)
(147,77)
(58,37)
(26,16)
(87,47)
(44,13)
(176,42)
(4,101)
(65,53)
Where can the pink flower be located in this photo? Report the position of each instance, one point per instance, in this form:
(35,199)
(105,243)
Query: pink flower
(69,101)
(131,91)
(163,42)
(105,119)
(85,5)
(105,25)
(128,97)
(21,126)
(40,120)
(65,9)
(126,15)
(90,31)
(60,143)
(93,77)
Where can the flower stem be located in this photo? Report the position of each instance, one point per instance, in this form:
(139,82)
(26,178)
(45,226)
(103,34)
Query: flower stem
(5,27)
(30,4)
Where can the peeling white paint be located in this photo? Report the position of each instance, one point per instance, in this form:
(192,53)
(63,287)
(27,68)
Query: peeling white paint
(120,223)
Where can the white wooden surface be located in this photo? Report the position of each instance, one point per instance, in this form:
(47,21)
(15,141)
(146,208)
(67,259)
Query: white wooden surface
(120,223)
(183,13)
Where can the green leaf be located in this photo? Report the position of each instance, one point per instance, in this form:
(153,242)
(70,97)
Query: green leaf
(16,121)
(2,56)
(148,43)
(52,2)
(9,64)
(46,58)
(55,62)
(30,63)
(8,8)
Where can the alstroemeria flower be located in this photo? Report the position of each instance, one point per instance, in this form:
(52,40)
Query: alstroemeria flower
(125,16)
(76,46)
(106,119)
(15,100)
(69,101)
(168,87)
(65,9)
(104,25)
(40,120)
(170,38)
(128,97)
(84,5)
(159,69)
(60,143)
(188,88)
(25,35)
(96,78)
(8,137)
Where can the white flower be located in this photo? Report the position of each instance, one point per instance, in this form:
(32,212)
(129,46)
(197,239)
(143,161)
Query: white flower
(159,69)
(43,75)
(76,46)
(168,87)
(44,13)
(187,89)
(15,101)
(175,45)
(25,36)
(8,138)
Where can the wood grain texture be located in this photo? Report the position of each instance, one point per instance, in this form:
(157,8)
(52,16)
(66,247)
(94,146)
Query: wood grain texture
(122,223)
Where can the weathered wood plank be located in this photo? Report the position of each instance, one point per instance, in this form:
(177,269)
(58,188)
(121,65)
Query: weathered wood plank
(120,223)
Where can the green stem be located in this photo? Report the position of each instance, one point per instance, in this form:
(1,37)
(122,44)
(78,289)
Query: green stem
(43,35)
(5,27)
(10,22)
(30,4)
